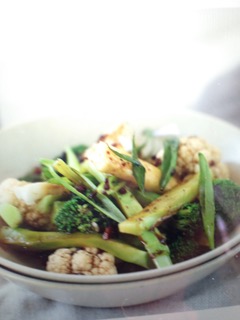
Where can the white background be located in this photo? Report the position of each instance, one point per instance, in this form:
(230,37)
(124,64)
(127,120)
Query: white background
(110,58)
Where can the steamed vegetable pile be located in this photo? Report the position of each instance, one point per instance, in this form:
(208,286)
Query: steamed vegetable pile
(123,203)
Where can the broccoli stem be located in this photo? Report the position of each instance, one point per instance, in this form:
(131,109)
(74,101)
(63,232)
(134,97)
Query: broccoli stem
(159,252)
(164,206)
(50,240)
(127,202)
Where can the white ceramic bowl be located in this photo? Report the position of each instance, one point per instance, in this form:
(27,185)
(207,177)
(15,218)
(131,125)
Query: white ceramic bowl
(23,145)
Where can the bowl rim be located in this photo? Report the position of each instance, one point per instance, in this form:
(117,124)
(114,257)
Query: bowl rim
(225,256)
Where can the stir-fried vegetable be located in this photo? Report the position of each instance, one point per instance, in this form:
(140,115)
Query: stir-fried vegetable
(162,208)
(138,170)
(206,196)
(169,161)
(143,211)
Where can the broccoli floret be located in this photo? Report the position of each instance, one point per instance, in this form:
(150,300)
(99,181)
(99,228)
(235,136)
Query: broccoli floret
(76,215)
(184,248)
(188,219)
(227,202)
(184,231)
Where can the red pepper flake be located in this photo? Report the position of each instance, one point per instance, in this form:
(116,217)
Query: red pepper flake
(156,161)
(37,170)
(106,184)
(122,190)
(108,232)
(81,188)
(115,145)
(102,137)
(212,163)
(92,195)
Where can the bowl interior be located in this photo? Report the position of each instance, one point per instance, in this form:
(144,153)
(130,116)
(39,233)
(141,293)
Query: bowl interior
(23,145)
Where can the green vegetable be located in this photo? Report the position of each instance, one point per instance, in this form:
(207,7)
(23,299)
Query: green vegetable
(206,197)
(169,161)
(122,195)
(76,215)
(72,178)
(137,168)
(79,149)
(145,197)
(161,208)
(45,205)
(158,251)
(72,159)
(11,215)
(188,219)
(183,248)
(127,202)
(49,240)
(113,187)
(227,202)
(183,232)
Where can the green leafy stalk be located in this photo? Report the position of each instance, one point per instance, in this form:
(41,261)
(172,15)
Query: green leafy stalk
(72,159)
(112,187)
(146,197)
(169,161)
(206,197)
(78,178)
(51,240)
(79,149)
(137,168)
(90,168)
(109,209)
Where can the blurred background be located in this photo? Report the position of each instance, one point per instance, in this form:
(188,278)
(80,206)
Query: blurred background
(117,58)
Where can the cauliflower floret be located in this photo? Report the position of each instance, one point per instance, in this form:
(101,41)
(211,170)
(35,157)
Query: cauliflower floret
(187,162)
(26,196)
(36,219)
(31,193)
(92,262)
(86,261)
(61,261)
